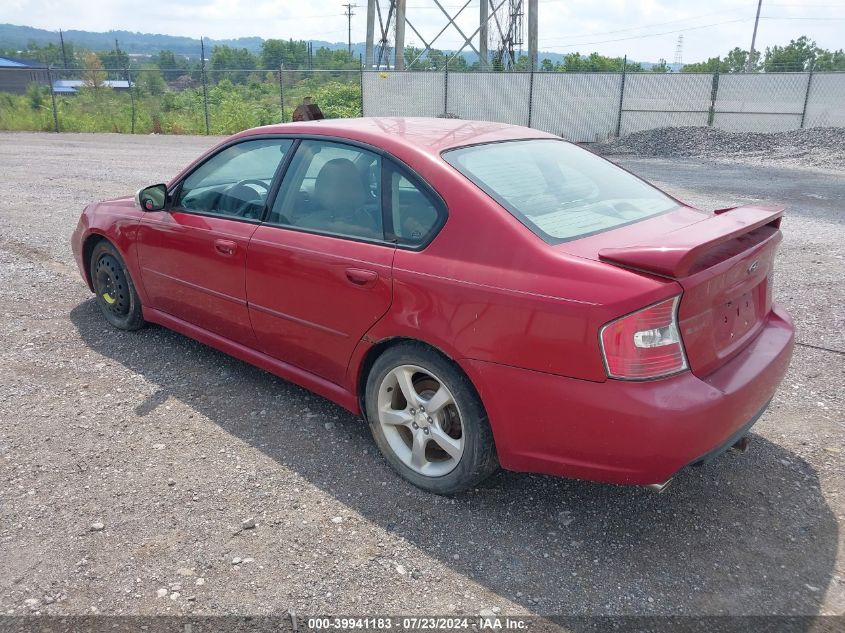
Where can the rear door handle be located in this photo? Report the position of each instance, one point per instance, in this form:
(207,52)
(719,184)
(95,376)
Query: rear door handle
(225,247)
(361,277)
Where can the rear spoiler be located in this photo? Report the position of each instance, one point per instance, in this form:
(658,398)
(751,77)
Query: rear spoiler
(674,254)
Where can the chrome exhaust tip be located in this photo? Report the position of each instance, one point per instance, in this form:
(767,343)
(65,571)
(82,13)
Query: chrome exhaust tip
(658,488)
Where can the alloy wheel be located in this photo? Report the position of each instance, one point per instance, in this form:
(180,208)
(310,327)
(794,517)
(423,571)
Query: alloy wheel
(420,420)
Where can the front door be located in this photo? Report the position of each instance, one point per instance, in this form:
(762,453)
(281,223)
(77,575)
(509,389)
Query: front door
(193,256)
(319,271)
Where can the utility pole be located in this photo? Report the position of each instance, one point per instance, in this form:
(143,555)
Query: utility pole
(64,54)
(349,15)
(116,55)
(749,65)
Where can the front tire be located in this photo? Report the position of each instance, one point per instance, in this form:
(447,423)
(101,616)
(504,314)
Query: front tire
(113,287)
(428,421)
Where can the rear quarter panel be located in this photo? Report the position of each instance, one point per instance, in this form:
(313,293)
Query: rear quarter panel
(488,289)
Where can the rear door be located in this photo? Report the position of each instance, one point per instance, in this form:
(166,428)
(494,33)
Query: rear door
(193,256)
(319,269)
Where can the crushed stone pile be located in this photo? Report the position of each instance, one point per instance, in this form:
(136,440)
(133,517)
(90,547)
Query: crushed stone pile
(819,147)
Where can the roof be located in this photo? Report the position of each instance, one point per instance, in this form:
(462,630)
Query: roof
(14,62)
(431,135)
(69,86)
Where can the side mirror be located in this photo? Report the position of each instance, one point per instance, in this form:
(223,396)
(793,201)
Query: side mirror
(153,198)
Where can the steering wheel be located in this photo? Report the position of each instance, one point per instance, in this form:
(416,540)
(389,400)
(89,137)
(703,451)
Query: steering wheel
(245,203)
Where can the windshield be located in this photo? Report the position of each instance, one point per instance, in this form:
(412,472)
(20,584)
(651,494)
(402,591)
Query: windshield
(558,190)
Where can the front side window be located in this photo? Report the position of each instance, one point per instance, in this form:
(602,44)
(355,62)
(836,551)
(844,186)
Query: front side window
(332,188)
(234,182)
(414,213)
(558,190)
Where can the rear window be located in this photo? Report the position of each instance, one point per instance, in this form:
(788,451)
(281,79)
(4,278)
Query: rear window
(558,190)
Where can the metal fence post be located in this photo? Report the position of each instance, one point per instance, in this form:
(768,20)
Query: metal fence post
(621,95)
(361,64)
(53,99)
(204,84)
(530,93)
(446,86)
(711,115)
(282,90)
(131,96)
(807,94)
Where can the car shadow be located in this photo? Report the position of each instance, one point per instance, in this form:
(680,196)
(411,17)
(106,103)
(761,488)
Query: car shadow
(746,534)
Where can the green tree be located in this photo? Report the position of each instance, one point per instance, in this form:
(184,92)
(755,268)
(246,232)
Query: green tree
(328,59)
(93,75)
(796,56)
(114,61)
(150,80)
(236,61)
(660,67)
(50,54)
(830,60)
(737,59)
(712,65)
(290,54)
(171,65)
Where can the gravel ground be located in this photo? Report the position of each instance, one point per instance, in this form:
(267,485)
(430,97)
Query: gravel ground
(144,473)
(813,148)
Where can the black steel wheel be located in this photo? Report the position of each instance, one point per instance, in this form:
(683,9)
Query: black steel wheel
(113,287)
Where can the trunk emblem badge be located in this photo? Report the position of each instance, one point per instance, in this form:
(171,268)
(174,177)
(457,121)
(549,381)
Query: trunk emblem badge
(754,266)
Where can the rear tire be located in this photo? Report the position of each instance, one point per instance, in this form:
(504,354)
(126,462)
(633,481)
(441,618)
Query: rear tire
(113,287)
(428,421)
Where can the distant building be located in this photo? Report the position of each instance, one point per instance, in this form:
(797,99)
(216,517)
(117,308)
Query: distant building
(17,74)
(70,86)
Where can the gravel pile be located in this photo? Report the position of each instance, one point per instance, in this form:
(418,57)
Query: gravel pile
(820,147)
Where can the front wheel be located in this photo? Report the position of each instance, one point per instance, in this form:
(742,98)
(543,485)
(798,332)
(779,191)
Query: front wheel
(116,296)
(428,421)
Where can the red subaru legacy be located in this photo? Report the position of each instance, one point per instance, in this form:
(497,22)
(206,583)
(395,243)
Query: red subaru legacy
(482,294)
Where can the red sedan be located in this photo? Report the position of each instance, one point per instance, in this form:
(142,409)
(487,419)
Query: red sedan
(482,294)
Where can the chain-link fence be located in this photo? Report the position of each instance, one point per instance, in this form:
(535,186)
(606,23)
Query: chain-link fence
(145,101)
(580,106)
(589,106)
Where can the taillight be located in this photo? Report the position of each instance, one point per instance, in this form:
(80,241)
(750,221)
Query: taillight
(645,344)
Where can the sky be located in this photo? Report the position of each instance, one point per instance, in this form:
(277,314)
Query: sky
(645,30)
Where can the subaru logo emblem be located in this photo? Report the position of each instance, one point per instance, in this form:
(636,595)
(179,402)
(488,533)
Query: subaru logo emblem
(754,266)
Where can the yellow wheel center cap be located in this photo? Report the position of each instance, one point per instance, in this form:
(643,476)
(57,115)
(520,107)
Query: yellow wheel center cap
(109,298)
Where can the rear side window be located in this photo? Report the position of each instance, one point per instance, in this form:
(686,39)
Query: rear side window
(558,190)
(415,215)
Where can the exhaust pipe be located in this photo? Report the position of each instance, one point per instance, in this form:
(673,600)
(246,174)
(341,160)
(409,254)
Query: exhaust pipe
(658,488)
(741,444)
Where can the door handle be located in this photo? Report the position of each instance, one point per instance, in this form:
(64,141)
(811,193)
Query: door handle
(225,247)
(361,277)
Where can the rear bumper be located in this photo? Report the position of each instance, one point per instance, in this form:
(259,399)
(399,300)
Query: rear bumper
(630,432)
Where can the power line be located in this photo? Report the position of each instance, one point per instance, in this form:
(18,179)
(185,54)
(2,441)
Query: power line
(638,37)
(645,26)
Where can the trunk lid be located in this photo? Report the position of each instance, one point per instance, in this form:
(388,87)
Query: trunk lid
(722,260)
